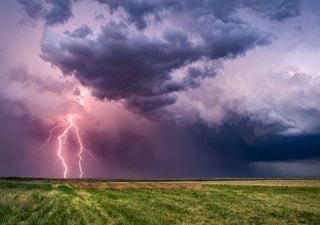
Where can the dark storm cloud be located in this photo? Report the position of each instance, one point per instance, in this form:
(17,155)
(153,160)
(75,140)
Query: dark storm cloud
(139,10)
(127,64)
(284,148)
(259,141)
(278,10)
(51,11)
(120,61)
(81,32)
(59,13)
(150,106)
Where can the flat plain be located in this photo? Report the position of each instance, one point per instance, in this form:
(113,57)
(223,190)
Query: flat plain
(215,201)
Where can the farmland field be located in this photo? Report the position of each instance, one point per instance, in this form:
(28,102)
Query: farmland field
(225,201)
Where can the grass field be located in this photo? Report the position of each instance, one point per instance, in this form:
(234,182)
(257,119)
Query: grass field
(28,201)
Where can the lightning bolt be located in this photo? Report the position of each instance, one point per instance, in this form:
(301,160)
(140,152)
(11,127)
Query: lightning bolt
(80,148)
(70,126)
(49,137)
(61,138)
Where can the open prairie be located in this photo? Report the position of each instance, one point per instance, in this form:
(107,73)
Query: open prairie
(217,201)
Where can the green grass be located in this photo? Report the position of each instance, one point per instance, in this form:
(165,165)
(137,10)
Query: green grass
(44,202)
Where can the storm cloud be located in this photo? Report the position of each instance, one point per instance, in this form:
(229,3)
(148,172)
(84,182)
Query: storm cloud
(137,61)
(53,12)
(140,12)
(180,88)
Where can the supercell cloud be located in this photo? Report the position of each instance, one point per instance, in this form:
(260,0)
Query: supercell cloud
(136,57)
(165,88)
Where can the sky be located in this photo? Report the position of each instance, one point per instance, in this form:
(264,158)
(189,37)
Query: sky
(159,88)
